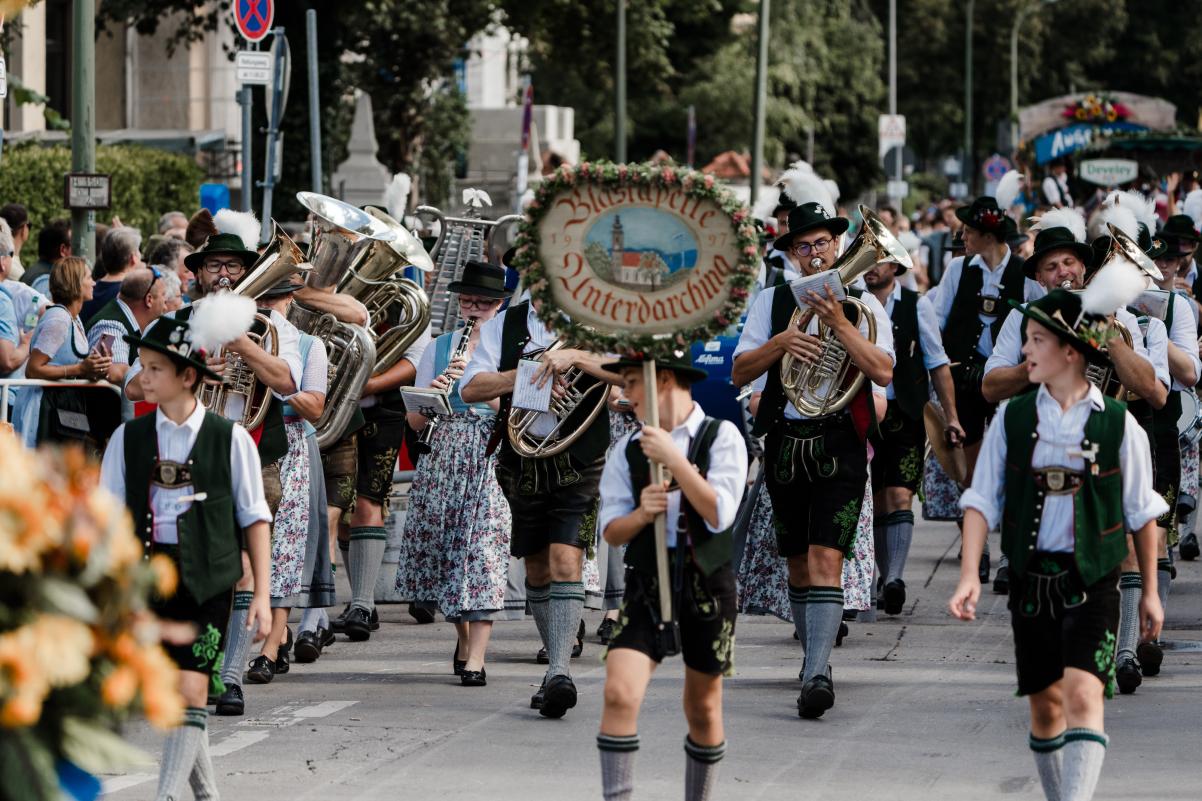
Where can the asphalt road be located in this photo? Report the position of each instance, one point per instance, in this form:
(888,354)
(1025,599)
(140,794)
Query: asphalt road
(925,710)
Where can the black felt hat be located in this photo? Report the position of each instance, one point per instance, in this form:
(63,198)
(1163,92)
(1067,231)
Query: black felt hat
(984,215)
(678,364)
(1056,239)
(1060,312)
(482,279)
(1180,226)
(809,217)
(224,245)
(173,338)
(285,287)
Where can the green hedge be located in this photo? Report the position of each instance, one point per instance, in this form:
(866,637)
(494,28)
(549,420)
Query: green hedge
(146,182)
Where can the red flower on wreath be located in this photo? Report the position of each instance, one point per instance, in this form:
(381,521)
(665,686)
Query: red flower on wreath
(669,175)
(1096,108)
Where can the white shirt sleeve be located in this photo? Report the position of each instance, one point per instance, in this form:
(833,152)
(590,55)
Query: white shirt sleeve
(933,354)
(425,368)
(947,290)
(884,326)
(288,348)
(1184,334)
(757,329)
(120,346)
(52,332)
(1141,502)
(988,490)
(1051,192)
(727,473)
(413,354)
(487,355)
(1032,290)
(250,505)
(1007,351)
(112,468)
(317,369)
(1156,341)
(617,495)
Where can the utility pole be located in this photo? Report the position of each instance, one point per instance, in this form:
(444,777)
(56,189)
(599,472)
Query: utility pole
(620,89)
(966,166)
(83,119)
(314,101)
(761,99)
(897,173)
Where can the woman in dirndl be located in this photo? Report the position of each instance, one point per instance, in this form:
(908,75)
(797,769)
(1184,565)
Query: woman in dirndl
(455,550)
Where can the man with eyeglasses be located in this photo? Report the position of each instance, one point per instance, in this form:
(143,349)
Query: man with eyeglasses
(817,466)
(140,301)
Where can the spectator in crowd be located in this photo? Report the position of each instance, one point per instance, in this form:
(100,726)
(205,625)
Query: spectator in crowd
(121,252)
(18,223)
(1055,186)
(14,344)
(59,347)
(173,224)
(173,299)
(27,303)
(142,299)
(54,243)
(169,256)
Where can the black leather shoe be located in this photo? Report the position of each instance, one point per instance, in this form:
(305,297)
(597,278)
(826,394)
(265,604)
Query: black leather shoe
(261,670)
(1189,548)
(843,632)
(558,697)
(325,637)
(895,597)
(288,642)
(337,625)
(473,678)
(605,631)
(983,568)
(578,648)
(308,646)
(458,664)
(357,625)
(850,615)
(817,696)
(230,702)
(419,613)
(541,657)
(212,700)
(536,700)
(282,665)
(1128,675)
(1150,656)
(1001,581)
(373,622)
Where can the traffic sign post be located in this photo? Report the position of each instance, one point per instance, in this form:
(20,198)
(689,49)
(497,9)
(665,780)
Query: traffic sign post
(253,67)
(253,18)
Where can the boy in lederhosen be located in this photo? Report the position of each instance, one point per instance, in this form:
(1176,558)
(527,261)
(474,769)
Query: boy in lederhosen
(707,462)
(193,482)
(1066,472)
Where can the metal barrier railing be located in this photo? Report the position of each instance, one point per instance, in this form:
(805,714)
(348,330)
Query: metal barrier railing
(6,385)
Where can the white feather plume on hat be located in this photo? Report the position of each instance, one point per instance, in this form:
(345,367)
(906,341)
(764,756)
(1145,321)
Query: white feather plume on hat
(1193,207)
(765,204)
(1121,217)
(1061,218)
(1007,189)
(1113,287)
(1144,207)
(396,196)
(219,319)
(242,224)
(806,187)
(833,188)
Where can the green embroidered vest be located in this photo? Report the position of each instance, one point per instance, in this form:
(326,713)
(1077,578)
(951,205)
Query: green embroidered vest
(210,551)
(963,327)
(1099,532)
(909,372)
(592,444)
(709,551)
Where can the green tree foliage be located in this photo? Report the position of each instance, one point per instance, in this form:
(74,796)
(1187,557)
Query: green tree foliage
(145,182)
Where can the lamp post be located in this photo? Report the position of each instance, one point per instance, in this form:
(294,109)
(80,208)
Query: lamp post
(620,88)
(1023,12)
(966,169)
(761,94)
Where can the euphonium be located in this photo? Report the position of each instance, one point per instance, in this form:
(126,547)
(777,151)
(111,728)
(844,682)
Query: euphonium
(1104,377)
(827,384)
(585,398)
(279,260)
(426,435)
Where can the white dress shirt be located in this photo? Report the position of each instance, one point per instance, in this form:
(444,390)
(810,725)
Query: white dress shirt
(1184,334)
(413,355)
(727,474)
(1060,434)
(175,444)
(1055,191)
(991,287)
(929,337)
(1007,351)
(486,358)
(758,330)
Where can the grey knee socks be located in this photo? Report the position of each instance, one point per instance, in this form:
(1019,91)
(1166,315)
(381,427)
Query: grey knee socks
(366,552)
(237,640)
(1164,577)
(1131,589)
(701,768)
(617,765)
(1048,761)
(179,754)
(824,613)
(1084,751)
(899,533)
(565,607)
(310,620)
(540,608)
(797,604)
(203,779)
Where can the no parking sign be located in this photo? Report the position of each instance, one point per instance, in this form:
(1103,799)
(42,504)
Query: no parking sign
(253,18)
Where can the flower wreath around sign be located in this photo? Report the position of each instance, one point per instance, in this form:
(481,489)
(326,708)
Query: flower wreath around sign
(636,258)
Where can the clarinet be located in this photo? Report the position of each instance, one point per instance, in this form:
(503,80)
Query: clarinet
(425,436)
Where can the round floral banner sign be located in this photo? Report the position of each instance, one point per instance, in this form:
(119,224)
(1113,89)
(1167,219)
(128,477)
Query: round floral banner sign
(635,258)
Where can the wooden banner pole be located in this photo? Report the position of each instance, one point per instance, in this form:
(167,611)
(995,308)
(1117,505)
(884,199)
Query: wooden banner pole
(657,477)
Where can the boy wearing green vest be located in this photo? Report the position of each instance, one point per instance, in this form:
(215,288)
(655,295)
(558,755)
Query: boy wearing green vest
(707,462)
(192,481)
(1067,472)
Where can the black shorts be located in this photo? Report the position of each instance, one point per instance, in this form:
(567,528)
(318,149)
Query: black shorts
(379,444)
(1166,470)
(706,614)
(897,451)
(339,465)
(205,653)
(816,472)
(1059,624)
(552,500)
(972,409)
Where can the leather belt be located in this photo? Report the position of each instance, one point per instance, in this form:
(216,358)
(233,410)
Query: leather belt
(1058,480)
(170,474)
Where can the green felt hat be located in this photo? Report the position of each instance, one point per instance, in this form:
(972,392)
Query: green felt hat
(1060,311)
(173,338)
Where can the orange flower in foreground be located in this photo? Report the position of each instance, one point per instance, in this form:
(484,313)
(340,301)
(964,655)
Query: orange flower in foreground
(22,709)
(166,577)
(119,687)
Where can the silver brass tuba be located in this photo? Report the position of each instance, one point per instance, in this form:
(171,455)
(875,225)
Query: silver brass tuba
(460,240)
(574,406)
(828,384)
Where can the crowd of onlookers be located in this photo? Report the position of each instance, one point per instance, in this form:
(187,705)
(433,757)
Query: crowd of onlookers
(62,318)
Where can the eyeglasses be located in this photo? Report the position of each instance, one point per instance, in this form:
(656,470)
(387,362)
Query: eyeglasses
(232,267)
(817,246)
(479,304)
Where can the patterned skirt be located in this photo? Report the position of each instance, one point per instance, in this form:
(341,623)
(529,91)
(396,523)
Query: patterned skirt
(455,551)
(317,577)
(290,531)
(940,494)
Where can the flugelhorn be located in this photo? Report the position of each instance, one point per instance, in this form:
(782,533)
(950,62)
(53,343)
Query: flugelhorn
(584,398)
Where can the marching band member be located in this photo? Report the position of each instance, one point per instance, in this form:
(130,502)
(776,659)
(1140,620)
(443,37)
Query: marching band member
(900,440)
(192,481)
(819,466)
(1033,479)
(553,499)
(455,551)
(707,460)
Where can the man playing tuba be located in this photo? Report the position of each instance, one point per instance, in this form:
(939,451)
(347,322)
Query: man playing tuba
(817,466)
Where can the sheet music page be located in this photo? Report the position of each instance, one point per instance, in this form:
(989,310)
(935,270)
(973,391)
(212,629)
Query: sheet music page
(816,283)
(527,395)
(424,400)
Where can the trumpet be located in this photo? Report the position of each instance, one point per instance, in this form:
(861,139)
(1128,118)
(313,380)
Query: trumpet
(426,435)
